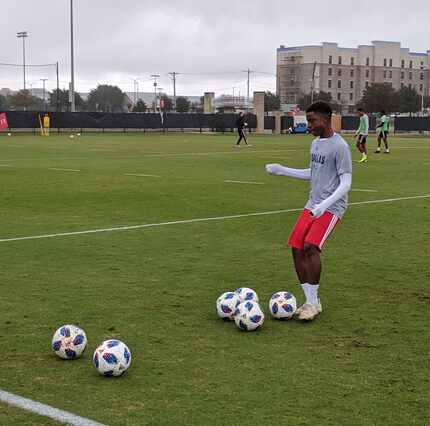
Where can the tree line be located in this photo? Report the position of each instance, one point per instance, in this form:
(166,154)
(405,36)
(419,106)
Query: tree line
(105,98)
(377,97)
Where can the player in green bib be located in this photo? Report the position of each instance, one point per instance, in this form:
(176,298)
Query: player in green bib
(382,130)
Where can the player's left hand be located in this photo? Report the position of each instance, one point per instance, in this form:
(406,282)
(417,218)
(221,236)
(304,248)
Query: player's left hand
(317,211)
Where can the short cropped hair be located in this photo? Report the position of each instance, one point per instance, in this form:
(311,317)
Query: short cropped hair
(321,108)
(383,111)
(360,110)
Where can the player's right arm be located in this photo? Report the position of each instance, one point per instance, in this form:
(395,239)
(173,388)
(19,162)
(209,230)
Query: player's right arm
(278,170)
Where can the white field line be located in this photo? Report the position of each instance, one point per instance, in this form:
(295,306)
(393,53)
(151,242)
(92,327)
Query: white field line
(64,170)
(141,175)
(5,165)
(364,190)
(245,182)
(45,410)
(222,152)
(204,219)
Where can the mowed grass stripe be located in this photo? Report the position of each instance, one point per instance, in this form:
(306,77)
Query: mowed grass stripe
(205,219)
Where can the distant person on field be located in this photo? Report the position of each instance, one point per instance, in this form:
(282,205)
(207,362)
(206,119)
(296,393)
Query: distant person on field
(330,175)
(362,133)
(240,124)
(382,130)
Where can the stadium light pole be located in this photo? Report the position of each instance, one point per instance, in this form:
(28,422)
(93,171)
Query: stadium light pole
(23,35)
(155,76)
(72,63)
(44,100)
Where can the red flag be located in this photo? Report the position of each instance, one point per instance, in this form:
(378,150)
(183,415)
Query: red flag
(3,121)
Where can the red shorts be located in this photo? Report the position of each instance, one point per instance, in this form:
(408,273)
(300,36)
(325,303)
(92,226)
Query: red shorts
(311,230)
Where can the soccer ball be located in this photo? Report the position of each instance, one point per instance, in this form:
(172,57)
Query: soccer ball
(112,358)
(249,316)
(72,136)
(9,134)
(69,342)
(247,294)
(226,305)
(282,305)
(78,134)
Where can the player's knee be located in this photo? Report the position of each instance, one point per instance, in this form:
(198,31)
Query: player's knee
(311,249)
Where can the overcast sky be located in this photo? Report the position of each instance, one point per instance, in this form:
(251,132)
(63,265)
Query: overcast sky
(209,42)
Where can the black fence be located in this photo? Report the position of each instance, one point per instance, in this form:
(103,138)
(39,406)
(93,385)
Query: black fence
(213,122)
(99,120)
(412,124)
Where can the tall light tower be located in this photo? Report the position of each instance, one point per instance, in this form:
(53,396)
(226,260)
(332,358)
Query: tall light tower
(72,63)
(44,99)
(23,35)
(155,76)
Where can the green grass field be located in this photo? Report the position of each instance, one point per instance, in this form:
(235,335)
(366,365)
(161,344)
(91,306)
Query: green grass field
(364,361)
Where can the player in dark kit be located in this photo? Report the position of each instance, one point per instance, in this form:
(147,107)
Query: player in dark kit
(330,175)
(240,124)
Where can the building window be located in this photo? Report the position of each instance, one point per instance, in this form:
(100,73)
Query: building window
(351,96)
(410,86)
(329,84)
(339,84)
(367,84)
(367,62)
(402,85)
(352,62)
(330,71)
(339,60)
(402,75)
(351,84)
(390,74)
(385,62)
(410,76)
(422,65)
(330,59)
(403,63)
(352,73)
(338,96)
(391,62)
(292,82)
(421,87)
(411,64)
(385,73)
(367,73)
(329,93)
(422,76)
(339,72)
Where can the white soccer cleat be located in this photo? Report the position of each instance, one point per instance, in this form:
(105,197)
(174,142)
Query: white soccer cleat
(308,312)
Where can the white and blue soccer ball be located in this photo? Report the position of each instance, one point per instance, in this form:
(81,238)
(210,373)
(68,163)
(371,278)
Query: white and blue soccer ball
(69,341)
(112,358)
(282,305)
(246,294)
(249,316)
(226,305)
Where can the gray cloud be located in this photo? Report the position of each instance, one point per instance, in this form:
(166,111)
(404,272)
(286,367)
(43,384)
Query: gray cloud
(116,41)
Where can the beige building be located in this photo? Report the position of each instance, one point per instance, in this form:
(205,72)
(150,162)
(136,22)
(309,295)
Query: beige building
(346,72)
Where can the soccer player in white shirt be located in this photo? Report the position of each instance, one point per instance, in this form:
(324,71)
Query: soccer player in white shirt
(330,175)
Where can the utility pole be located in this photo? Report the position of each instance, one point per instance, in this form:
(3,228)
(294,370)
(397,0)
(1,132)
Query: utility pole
(248,71)
(155,76)
(23,35)
(58,87)
(72,63)
(174,74)
(44,100)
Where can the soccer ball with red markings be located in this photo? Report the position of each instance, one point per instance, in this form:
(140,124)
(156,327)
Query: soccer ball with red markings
(226,305)
(249,316)
(112,358)
(282,305)
(69,342)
